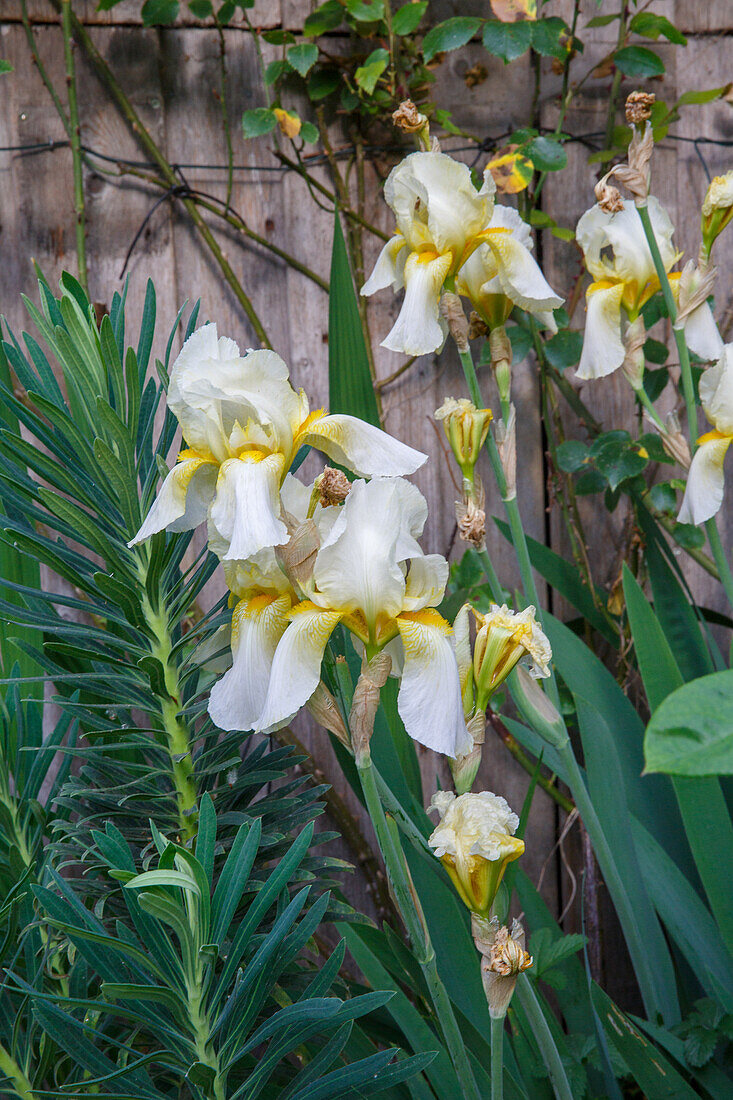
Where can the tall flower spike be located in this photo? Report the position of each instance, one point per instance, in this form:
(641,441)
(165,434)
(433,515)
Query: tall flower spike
(361,579)
(504,638)
(705,484)
(618,257)
(243,424)
(440,221)
(474,840)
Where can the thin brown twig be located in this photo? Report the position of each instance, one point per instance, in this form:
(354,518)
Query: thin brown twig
(139,130)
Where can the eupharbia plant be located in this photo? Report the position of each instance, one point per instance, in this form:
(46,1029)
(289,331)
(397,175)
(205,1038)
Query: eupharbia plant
(168,939)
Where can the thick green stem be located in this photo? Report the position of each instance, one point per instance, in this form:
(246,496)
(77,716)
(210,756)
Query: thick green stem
(497,1058)
(176,731)
(15,1075)
(75,140)
(721,558)
(543,1037)
(409,908)
(617,889)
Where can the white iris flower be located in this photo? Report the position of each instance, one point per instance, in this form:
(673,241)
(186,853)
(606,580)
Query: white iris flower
(440,221)
(243,424)
(362,579)
(704,493)
(502,273)
(617,256)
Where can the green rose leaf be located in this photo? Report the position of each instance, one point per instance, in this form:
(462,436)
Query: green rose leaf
(572,455)
(322,83)
(564,348)
(507,40)
(407,18)
(202,9)
(546,154)
(157,13)
(638,61)
(368,74)
(450,35)
(547,37)
(650,25)
(303,57)
(364,12)
(260,120)
(691,732)
(324,19)
(309,133)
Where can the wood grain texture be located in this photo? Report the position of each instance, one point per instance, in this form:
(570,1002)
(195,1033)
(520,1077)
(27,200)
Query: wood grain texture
(172,76)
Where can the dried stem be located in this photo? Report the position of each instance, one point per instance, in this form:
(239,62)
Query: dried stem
(138,128)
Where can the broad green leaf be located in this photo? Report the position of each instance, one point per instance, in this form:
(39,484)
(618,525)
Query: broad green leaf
(550,37)
(365,11)
(324,19)
(646,943)
(449,35)
(650,25)
(638,61)
(545,153)
(655,1075)
(258,121)
(507,40)
(687,919)
(350,387)
(158,13)
(368,74)
(303,57)
(703,96)
(691,733)
(407,18)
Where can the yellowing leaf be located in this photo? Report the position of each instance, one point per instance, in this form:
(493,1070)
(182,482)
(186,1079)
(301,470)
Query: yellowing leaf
(512,172)
(289,124)
(514,11)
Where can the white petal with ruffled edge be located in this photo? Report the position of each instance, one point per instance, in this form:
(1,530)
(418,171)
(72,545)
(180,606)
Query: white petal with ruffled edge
(296,666)
(701,333)
(429,700)
(417,330)
(182,501)
(357,568)
(237,699)
(244,516)
(361,447)
(705,483)
(389,270)
(426,581)
(603,349)
(519,274)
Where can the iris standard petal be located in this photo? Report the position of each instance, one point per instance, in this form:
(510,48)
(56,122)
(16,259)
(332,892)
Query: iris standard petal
(183,499)
(429,700)
(417,330)
(296,666)
(244,516)
(358,567)
(705,484)
(258,624)
(603,349)
(716,392)
(361,447)
(426,581)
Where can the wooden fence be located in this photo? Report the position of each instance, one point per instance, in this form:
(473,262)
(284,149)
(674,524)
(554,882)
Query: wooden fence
(171,76)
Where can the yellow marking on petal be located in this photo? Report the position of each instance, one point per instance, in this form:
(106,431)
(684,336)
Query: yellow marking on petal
(601,284)
(189,453)
(257,604)
(310,419)
(303,608)
(426,256)
(427,617)
(713,437)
